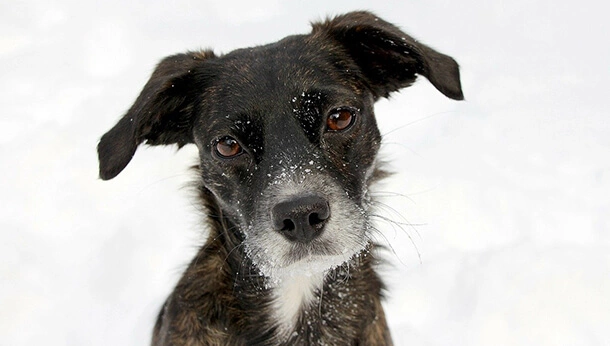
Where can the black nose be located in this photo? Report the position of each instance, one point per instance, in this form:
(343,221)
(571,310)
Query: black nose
(301,218)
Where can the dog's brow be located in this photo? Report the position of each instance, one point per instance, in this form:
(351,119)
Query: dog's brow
(333,92)
(314,98)
(237,124)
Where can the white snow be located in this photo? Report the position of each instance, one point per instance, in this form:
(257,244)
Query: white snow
(508,192)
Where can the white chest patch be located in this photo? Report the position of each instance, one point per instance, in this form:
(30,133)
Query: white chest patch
(291,294)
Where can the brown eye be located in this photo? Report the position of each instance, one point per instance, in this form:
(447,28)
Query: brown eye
(228,147)
(340,119)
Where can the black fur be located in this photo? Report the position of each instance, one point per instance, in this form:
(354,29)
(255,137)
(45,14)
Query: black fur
(275,102)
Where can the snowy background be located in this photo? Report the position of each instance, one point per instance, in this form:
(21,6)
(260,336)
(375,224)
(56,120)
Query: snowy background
(508,192)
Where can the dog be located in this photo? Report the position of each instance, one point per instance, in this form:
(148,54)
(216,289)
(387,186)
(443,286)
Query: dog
(288,144)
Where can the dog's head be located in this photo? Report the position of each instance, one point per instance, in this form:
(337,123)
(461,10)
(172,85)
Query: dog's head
(286,132)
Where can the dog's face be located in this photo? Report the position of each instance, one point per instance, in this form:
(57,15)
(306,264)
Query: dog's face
(287,142)
(286,133)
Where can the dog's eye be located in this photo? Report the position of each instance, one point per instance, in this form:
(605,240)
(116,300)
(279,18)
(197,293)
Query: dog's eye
(340,119)
(228,147)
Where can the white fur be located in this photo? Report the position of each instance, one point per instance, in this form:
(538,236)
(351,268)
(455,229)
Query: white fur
(291,294)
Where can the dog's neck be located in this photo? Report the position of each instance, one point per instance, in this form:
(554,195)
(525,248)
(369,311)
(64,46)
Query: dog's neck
(291,295)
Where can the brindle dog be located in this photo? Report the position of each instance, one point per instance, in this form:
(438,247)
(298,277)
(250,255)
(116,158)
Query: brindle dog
(287,143)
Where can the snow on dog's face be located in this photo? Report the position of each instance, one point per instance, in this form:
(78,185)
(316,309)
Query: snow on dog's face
(287,152)
(286,133)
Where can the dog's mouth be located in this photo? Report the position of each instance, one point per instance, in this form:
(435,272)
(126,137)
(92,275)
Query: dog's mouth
(312,251)
(316,262)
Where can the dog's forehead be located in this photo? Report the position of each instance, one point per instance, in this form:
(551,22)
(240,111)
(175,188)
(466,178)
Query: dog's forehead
(282,70)
(293,54)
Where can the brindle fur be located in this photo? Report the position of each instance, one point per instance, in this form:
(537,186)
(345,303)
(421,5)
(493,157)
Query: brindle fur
(272,97)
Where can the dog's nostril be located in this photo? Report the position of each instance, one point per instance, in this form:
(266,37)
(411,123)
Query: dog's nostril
(315,219)
(288,225)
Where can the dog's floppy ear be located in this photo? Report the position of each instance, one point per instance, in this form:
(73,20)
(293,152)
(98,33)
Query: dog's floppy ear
(388,58)
(162,114)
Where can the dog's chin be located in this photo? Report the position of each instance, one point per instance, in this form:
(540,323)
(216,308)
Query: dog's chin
(306,260)
(317,252)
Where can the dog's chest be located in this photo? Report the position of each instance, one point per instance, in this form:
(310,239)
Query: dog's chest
(291,296)
(319,310)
